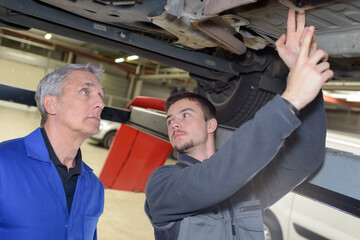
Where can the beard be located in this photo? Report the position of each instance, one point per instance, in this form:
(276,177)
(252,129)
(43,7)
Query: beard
(184,147)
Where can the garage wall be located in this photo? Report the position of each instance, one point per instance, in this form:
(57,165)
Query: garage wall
(20,75)
(152,90)
(342,120)
(24,69)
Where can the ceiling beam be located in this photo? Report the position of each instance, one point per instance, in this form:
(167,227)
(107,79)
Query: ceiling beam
(183,75)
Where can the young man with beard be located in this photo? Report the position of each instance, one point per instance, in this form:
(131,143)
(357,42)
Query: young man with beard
(222,194)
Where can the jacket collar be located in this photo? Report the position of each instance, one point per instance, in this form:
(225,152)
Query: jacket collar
(35,146)
(85,168)
(188,159)
(36,149)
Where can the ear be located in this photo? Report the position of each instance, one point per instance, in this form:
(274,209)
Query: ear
(212,125)
(50,104)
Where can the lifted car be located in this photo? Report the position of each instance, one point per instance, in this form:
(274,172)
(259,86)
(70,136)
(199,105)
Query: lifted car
(226,45)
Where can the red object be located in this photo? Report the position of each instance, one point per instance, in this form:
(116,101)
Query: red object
(118,154)
(134,155)
(148,102)
(341,101)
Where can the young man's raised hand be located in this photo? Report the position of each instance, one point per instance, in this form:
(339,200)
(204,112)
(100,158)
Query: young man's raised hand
(309,72)
(288,45)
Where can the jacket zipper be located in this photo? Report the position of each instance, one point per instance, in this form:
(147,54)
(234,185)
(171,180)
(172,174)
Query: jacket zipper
(231,211)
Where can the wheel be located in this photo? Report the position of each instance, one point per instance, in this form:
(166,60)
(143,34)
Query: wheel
(236,101)
(272,228)
(240,101)
(108,139)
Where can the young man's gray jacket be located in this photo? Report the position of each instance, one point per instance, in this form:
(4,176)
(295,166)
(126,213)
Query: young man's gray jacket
(224,196)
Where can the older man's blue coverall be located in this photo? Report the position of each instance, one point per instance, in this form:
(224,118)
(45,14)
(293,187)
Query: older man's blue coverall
(32,198)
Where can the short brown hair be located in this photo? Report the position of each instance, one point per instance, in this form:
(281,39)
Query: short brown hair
(206,106)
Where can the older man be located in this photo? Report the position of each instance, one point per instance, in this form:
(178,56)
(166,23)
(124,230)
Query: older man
(46,190)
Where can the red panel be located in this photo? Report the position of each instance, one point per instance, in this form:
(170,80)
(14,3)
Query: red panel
(148,102)
(147,154)
(341,101)
(118,154)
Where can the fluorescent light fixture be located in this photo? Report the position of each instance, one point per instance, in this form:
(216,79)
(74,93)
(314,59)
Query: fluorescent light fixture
(119,60)
(132,57)
(48,36)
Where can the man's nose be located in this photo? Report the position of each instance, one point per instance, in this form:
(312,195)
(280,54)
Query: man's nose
(100,103)
(175,125)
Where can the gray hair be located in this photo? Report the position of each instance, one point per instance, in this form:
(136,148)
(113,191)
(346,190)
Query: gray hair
(53,83)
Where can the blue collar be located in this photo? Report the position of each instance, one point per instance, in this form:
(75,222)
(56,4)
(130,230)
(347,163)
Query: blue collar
(186,158)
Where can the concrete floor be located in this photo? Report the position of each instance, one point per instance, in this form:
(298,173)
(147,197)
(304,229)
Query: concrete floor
(123,217)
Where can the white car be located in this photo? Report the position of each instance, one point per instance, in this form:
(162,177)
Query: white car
(301,218)
(106,133)
(328,205)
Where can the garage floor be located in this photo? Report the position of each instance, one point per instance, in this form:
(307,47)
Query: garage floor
(123,217)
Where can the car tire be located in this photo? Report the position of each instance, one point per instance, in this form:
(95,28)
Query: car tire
(108,139)
(272,228)
(238,100)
